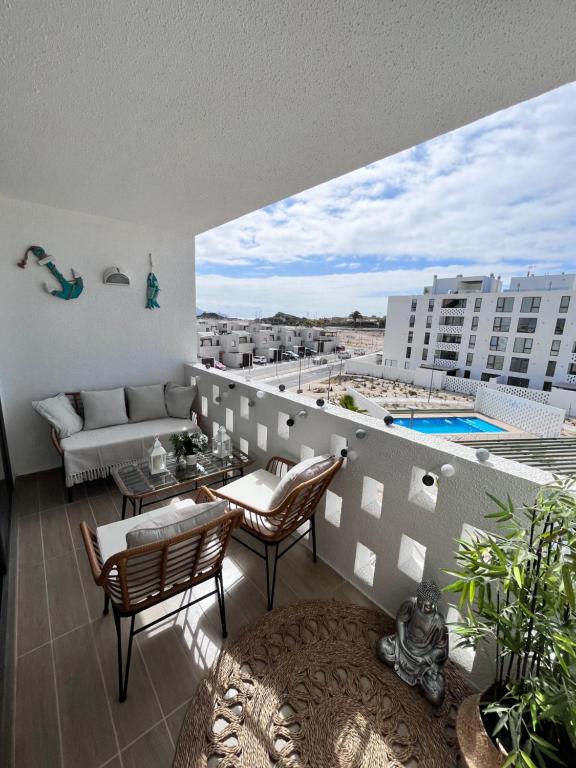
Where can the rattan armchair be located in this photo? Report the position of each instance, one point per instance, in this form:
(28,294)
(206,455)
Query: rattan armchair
(139,578)
(273,526)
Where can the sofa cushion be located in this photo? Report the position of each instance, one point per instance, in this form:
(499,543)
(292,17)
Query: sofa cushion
(300,473)
(87,452)
(179,400)
(60,412)
(170,521)
(104,408)
(147,402)
(255,489)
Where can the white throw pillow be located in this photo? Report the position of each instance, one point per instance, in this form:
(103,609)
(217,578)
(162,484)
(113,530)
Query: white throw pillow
(60,412)
(104,408)
(300,473)
(172,520)
(146,403)
(179,400)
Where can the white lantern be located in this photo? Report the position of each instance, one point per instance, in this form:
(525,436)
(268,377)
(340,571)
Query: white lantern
(157,457)
(221,444)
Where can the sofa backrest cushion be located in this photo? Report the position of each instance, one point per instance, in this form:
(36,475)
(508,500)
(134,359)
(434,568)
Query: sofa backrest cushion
(179,400)
(298,474)
(146,403)
(104,408)
(60,412)
(173,520)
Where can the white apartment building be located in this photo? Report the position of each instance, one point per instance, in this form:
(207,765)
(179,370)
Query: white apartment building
(472,327)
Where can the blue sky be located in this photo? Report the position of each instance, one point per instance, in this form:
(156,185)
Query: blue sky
(498,195)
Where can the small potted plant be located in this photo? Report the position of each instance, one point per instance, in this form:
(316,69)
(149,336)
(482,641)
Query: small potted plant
(187,445)
(517,595)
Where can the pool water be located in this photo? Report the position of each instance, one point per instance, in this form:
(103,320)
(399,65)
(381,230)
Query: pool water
(448,425)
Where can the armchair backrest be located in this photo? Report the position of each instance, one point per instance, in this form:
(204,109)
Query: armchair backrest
(140,577)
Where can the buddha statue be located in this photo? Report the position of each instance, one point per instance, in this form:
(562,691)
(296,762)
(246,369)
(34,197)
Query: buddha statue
(420,646)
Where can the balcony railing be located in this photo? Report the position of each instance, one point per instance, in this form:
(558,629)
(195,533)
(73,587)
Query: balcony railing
(379,526)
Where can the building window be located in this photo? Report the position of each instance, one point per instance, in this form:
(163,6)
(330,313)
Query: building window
(573,347)
(572,369)
(472,341)
(454,303)
(425,353)
(519,364)
(487,376)
(412,321)
(504,305)
(475,322)
(414,304)
(444,354)
(448,338)
(526,325)
(477,305)
(429,321)
(430,305)
(560,323)
(426,338)
(547,386)
(410,337)
(551,368)
(564,304)
(408,352)
(501,324)
(516,381)
(498,343)
(496,362)
(524,346)
(466,374)
(449,320)
(555,348)
(530,304)
(469,358)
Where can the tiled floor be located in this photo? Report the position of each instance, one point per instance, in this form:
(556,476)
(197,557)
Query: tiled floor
(66,707)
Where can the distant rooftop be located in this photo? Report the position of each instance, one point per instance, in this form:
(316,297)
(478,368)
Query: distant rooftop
(492,284)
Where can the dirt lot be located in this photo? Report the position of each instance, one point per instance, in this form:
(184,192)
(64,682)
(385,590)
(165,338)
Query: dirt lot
(370,341)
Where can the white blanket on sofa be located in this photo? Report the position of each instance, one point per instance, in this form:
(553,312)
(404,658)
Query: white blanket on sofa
(92,453)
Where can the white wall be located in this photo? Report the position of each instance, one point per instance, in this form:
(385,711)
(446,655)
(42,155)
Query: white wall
(104,338)
(527,415)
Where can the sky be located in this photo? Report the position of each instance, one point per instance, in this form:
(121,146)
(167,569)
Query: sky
(498,195)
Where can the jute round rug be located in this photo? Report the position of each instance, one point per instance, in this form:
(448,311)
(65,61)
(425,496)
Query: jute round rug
(303,687)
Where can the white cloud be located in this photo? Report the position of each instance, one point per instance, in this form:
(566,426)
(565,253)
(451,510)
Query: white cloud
(493,196)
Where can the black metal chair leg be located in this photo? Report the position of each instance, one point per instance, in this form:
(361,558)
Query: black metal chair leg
(220,592)
(270,588)
(69,495)
(124,500)
(123,678)
(313,532)
(106,604)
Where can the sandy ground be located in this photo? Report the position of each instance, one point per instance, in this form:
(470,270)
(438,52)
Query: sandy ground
(370,341)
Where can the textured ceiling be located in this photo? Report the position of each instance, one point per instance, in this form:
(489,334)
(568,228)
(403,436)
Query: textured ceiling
(188,114)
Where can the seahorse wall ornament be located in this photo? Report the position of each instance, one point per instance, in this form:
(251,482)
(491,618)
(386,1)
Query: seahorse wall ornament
(152,288)
(70,289)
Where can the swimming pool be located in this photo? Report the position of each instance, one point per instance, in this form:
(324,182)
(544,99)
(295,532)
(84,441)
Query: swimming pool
(448,425)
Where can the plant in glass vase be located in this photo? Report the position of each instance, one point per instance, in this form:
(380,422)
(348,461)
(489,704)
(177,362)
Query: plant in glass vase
(187,445)
(517,597)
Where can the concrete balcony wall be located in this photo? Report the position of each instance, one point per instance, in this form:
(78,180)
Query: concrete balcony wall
(378,525)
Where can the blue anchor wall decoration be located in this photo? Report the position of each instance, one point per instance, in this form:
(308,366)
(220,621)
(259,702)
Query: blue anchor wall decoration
(70,289)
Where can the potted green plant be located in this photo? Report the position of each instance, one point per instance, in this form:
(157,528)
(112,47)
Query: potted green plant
(517,598)
(187,445)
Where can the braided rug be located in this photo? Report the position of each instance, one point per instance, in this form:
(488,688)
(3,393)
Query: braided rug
(303,687)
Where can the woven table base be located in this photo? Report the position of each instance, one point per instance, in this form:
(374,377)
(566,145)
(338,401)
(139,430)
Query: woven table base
(303,687)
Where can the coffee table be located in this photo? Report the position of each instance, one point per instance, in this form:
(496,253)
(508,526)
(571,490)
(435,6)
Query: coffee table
(141,489)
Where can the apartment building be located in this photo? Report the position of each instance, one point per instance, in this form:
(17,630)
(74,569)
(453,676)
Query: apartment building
(472,327)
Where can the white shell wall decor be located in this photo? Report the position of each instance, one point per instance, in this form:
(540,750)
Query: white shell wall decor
(115,276)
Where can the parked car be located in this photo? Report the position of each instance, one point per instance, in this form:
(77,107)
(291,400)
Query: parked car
(344,355)
(289,356)
(259,360)
(340,348)
(358,352)
(319,360)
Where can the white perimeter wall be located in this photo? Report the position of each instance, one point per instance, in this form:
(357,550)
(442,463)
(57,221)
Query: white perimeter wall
(104,338)
(527,415)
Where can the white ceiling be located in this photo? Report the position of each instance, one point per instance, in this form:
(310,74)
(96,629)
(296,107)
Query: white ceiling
(188,114)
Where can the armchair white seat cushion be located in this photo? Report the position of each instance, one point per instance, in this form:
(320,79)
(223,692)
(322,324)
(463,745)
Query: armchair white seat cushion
(253,490)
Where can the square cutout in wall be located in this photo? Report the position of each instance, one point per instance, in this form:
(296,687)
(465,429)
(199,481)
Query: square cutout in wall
(411,558)
(337,443)
(262,437)
(204,406)
(283,428)
(306,452)
(463,656)
(229,420)
(365,564)
(215,392)
(244,407)
(424,496)
(215,428)
(372,496)
(244,446)
(333,508)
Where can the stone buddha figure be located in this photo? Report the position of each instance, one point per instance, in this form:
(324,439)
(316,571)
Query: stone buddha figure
(420,646)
